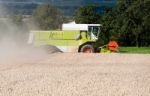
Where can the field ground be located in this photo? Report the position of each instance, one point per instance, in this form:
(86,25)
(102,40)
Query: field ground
(141,50)
(72,74)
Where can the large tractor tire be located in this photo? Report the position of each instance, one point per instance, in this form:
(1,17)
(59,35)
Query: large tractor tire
(87,49)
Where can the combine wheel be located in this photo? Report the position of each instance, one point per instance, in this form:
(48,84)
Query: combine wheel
(87,49)
(51,49)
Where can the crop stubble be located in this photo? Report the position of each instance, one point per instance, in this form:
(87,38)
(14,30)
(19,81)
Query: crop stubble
(74,74)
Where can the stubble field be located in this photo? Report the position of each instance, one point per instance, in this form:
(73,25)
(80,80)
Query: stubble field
(74,74)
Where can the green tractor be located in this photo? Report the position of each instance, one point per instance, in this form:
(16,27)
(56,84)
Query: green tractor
(72,38)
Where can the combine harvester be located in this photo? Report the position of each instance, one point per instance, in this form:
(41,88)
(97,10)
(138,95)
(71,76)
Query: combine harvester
(72,38)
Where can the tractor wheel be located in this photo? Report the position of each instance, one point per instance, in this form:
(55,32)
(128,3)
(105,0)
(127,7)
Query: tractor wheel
(87,49)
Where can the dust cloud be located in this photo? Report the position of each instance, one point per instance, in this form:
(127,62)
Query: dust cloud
(13,39)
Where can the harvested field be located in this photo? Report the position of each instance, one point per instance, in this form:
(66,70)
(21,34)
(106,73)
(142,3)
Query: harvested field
(73,74)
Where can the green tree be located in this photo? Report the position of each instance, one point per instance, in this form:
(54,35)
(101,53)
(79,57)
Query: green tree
(48,17)
(87,14)
(129,20)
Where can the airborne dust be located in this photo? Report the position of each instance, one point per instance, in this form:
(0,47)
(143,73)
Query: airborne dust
(14,33)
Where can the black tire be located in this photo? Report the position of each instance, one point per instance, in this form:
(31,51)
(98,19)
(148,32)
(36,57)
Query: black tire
(87,49)
(51,49)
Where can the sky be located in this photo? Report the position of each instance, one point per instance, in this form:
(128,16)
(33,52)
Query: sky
(68,6)
(64,2)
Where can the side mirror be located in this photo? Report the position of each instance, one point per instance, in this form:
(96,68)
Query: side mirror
(78,37)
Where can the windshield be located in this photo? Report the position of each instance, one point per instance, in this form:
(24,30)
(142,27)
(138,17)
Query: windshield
(94,31)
